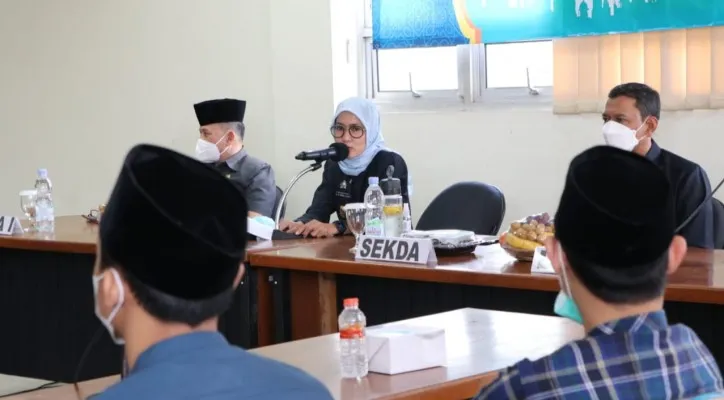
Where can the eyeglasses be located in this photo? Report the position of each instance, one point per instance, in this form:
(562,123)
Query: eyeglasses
(355,131)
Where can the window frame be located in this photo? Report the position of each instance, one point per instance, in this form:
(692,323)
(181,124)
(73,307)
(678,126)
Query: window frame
(472,80)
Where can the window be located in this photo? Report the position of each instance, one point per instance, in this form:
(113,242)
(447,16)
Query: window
(411,69)
(468,73)
(517,65)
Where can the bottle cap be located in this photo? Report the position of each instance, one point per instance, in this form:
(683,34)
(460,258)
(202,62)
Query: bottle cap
(374,180)
(42,172)
(351,302)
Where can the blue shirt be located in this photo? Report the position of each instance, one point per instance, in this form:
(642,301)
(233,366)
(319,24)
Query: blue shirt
(639,357)
(203,366)
(691,186)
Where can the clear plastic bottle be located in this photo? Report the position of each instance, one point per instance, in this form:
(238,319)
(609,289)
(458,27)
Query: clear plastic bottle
(352,346)
(44,207)
(374,203)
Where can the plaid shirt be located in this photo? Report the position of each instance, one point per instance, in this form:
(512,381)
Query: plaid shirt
(639,357)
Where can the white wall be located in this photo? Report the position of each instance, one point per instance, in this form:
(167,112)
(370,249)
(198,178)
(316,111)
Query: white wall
(83,80)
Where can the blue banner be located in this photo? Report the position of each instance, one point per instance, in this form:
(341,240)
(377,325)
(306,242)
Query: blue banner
(432,23)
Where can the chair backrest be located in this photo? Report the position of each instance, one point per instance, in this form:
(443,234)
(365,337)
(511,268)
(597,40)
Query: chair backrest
(472,206)
(718,223)
(280,193)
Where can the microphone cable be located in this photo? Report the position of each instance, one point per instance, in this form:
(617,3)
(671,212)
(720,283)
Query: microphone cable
(81,363)
(698,208)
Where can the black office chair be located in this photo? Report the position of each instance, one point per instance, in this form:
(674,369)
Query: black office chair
(280,193)
(718,223)
(471,206)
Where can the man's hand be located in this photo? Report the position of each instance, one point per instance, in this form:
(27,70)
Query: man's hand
(290,226)
(318,229)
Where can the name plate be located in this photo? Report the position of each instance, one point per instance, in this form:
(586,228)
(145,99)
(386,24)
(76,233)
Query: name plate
(541,264)
(404,250)
(10,226)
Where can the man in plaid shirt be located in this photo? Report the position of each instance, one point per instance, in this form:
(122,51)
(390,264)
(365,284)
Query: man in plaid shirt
(614,245)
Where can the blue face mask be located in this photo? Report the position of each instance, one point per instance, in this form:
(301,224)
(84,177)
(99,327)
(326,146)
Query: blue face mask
(264,220)
(564,305)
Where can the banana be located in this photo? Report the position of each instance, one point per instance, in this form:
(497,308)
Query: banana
(519,243)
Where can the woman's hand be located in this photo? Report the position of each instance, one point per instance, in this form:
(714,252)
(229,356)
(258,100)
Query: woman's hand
(318,229)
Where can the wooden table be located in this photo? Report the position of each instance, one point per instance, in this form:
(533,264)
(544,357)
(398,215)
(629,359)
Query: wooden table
(46,296)
(326,272)
(479,342)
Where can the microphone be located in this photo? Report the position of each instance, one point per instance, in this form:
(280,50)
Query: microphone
(335,152)
(698,208)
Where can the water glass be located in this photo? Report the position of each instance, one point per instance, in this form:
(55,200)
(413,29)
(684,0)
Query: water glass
(27,206)
(355,213)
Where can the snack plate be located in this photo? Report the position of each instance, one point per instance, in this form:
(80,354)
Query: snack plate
(519,254)
(467,247)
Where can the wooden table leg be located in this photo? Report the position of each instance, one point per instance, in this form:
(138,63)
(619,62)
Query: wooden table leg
(313,302)
(264,309)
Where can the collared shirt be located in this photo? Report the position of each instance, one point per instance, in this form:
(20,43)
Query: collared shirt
(255,178)
(691,187)
(203,365)
(639,357)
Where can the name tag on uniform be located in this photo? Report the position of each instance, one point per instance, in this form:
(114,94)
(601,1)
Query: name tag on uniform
(343,190)
(541,264)
(10,226)
(405,250)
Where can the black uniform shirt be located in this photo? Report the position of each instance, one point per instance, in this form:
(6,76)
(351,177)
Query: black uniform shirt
(691,186)
(338,189)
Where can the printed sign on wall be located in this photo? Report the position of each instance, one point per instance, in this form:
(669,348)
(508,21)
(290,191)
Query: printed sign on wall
(428,23)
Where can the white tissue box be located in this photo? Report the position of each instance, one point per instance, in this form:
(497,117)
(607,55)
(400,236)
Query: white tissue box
(398,349)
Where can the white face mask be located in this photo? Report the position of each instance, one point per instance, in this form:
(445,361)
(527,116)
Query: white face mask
(107,322)
(620,136)
(208,152)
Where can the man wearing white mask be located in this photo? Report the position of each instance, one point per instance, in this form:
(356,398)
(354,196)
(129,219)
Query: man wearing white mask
(221,143)
(170,255)
(630,120)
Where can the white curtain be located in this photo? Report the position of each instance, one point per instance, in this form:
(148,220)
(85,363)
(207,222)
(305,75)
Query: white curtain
(685,66)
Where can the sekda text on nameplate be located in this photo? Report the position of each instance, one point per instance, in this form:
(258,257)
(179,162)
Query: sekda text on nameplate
(406,250)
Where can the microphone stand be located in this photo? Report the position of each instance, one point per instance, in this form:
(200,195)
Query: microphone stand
(277,214)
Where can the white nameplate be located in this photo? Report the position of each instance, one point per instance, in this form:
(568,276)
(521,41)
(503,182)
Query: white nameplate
(10,226)
(541,264)
(405,250)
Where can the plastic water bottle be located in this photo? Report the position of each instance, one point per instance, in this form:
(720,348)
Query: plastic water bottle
(352,346)
(44,208)
(374,203)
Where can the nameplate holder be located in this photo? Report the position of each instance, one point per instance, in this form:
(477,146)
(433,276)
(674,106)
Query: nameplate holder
(10,226)
(541,264)
(402,250)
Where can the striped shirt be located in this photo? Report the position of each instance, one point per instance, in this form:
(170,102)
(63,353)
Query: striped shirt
(639,357)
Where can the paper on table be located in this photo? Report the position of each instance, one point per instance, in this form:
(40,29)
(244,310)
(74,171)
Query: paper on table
(256,228)
(541,264)
(13,384)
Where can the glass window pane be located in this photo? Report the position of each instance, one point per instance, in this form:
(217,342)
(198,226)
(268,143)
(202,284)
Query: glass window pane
(506,64)
(432,68)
